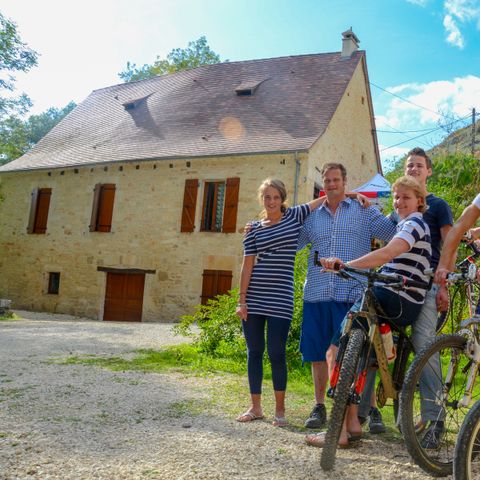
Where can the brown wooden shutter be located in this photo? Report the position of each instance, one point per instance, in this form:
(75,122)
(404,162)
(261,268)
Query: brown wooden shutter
(43,204)
(105,207)
(189,205)
(231,205)
(215,282)
(96,200)
(33,211)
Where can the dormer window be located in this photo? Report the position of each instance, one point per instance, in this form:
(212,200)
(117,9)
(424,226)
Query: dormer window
(248,87)
(134,103)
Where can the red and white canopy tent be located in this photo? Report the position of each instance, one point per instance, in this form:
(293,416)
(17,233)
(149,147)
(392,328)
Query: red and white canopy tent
(376,187)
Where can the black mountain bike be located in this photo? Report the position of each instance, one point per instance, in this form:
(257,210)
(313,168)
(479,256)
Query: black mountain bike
(453,361)
(360,338)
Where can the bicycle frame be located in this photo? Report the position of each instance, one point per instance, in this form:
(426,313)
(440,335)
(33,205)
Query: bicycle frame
(369,311)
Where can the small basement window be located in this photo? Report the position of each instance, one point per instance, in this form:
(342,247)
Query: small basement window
(53,283)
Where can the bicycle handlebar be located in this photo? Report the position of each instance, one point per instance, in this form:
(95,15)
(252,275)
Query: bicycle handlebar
(391,279)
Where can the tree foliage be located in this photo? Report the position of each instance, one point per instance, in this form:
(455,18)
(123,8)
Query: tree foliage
(17,136)
(15,56)
(455,178)
(197,53)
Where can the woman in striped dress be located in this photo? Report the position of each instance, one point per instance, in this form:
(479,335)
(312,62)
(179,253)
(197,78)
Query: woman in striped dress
(266,292)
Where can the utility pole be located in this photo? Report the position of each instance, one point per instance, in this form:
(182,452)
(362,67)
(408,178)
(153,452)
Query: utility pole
(473,132)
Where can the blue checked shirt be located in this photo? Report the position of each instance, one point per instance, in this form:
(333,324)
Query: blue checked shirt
(346,235)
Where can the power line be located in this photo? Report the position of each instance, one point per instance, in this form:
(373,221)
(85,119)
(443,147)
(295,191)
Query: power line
(410,102)
(427,133)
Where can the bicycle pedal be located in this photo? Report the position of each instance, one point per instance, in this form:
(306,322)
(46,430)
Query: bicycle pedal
(330,392)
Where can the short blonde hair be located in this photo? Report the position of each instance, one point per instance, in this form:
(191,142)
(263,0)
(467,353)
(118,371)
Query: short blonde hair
(412,184)
(277,185)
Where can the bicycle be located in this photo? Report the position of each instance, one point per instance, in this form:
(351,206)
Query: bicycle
(361,336)
(466,464)
(464,296)
(455,359)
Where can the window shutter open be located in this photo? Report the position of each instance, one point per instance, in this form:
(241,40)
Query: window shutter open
(33,211)
(105,207)
(96,199)
(231,205)
(189,205)
(43,204)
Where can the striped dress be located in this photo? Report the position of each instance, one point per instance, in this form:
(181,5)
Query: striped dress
(270,291)
(412,264)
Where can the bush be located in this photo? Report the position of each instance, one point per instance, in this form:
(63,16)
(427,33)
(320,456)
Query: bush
(220,330)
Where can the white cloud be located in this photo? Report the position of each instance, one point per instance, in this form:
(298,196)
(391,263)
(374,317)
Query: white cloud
(459,12)
(409,125)
(454,36)
(453,98)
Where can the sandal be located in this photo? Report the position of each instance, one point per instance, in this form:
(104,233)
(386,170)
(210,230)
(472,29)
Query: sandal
(248,417)
(279,422)
(318,440)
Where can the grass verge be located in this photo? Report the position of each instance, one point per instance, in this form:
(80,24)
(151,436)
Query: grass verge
(223,380)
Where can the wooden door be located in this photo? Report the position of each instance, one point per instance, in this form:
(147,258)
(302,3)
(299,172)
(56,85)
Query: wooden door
(124,297)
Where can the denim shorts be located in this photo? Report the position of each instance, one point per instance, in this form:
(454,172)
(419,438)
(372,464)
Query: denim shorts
(321,320)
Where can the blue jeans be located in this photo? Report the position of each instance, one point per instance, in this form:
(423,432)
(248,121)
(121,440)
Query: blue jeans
(423,331)
(277,333)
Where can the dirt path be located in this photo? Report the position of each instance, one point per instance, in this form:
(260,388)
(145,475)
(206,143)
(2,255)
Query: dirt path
(84,422)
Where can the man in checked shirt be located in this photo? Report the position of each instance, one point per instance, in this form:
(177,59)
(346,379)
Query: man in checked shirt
(341,228)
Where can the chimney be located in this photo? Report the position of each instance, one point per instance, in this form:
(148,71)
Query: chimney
(349,43)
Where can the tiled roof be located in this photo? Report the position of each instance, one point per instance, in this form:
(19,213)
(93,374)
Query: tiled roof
(199,113)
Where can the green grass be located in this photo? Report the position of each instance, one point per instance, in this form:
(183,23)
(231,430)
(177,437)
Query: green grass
(224,382)
(8,317)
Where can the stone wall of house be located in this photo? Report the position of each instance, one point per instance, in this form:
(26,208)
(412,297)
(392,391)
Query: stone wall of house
(348,137)
(145,232)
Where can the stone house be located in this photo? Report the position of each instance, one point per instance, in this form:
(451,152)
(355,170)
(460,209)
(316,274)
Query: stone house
(130,208)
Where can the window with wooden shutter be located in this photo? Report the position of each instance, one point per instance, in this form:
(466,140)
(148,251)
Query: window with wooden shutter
(213,204)
(102,208)
(231,205)
(40,204)
(215,282)
(189,205)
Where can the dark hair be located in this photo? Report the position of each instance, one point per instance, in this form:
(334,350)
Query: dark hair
(333,166)
(420,152)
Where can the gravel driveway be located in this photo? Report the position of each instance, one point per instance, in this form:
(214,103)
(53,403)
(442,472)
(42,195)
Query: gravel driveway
(62,421)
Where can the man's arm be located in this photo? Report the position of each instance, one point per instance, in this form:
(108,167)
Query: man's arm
(452,240)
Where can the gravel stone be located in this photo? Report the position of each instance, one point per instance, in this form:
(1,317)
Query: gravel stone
(83,422)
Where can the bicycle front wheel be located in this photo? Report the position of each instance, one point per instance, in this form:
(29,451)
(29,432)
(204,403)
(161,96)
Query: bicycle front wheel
(466,465)
(343,389)
(433,387)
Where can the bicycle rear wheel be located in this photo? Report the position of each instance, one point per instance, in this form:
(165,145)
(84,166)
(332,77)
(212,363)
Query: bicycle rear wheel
(343,389)
(466,465)
(438,400)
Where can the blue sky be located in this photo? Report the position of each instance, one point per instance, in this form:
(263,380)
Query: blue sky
(424,51)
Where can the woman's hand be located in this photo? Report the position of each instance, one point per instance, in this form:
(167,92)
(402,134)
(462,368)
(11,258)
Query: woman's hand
(331,263)
(241,311)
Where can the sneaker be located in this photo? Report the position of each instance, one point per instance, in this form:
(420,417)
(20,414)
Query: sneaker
(362,420)
(375,422)
(318,417)
(433,436)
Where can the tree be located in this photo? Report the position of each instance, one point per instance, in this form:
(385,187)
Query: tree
(17,136)
(197,53)
(15,56)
